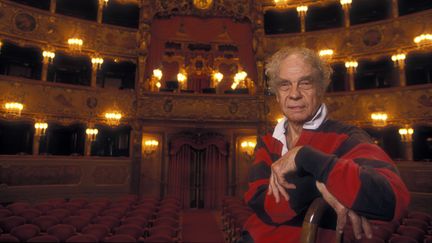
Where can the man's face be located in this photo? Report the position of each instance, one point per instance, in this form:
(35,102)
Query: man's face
(298,93)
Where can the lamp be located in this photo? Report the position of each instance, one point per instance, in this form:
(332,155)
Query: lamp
(301,10)
(423,39)
(40,128)
(92,133)
(346,4)
(398,59)
(1,45)
(216,78)
(406,134)
(238,77)
(182,78)
(150,146)
(48,56)
(97,62)
(351,66)
(155,80)
(379,119)
(248,147)
(281,3)
(14,108)
(113,118)
(75,44)
(326,53)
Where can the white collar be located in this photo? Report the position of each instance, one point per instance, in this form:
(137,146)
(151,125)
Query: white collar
(313,124)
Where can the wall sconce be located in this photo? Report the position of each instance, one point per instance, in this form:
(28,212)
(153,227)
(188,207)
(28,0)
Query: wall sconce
(399,59)
(248,148)
(14,108)
(351,66)
(97,62)
(113,118)
(406,134)
(1,45)
(326,53)
(48,56)
(150,147)
(238,77)
(346,4)
(104,2)
(182,79)
(155,80)
(281,3)
(379,119)
(91,134)
(216,78)
(423,39)
(301,10)
(75,44)
(40,128)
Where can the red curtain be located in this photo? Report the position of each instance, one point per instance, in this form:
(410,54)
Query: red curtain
(214,169)
(178,174)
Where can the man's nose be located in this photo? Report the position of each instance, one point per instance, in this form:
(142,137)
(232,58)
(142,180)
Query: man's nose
(294,92)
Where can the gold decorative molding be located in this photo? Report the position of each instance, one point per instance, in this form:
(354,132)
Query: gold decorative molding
(408,105)
(368,41)
(20,23)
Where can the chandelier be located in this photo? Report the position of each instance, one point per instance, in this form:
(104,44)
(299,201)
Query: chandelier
(92,133)
(326,53)
(423,39)
(301,10)
(40,128)
(97,62)
(379,119)
(75,44)
(398,59)
(48,56)
(113,118)
(14,108)
(281,3)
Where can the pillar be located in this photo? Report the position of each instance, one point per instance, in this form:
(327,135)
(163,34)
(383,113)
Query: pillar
(100,11)
(136,155)
(93,75)
(36,144)
(408,150)
(53,5)
(395,8)
(258,44)
(346,10)
(45,65)
(143,40)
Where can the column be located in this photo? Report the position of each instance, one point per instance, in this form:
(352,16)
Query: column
(136,155)
(301,11)
(399,62)
(346,5)
(36,144)
(93,76)
(395,8)
(143,39)
(100,11)
(45,64)
(258,44)
(351,69)
(53,5)
(87,146)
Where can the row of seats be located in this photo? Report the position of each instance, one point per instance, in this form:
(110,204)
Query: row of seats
(413,227)
(234,214)
(127,219)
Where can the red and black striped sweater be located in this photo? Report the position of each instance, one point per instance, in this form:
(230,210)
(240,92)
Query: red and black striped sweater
(355,170)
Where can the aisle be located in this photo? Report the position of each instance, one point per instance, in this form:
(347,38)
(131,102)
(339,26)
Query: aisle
(200,225)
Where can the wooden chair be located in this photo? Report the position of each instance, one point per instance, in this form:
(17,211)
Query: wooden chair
(318,212)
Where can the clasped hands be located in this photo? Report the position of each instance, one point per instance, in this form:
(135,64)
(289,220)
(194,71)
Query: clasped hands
(278,186)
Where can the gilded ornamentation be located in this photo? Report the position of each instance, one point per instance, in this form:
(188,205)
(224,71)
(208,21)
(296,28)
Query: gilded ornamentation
(372,37)
(25,22)
(425,100)
(22,175)
(110,175)
(168,106)
(203,4)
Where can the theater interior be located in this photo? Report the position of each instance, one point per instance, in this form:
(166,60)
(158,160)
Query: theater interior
(136,120)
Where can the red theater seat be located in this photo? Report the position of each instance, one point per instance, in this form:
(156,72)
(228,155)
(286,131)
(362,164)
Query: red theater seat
(30,213)
(45,222)
(402,239)
(82,238)
(159,238)
(62,231)
(108,221)
(18,207)
(8,238)
(7,224)
(5,213)
(25,232)
(97,230)
(44,238)
(130,229)
(120,238)
(78,222)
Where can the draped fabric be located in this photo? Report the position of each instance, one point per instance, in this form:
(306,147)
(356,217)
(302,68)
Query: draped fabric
(197,171)
(178,174)
(215,176)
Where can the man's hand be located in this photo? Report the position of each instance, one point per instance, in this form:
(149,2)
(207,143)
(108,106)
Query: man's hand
(360,224)
(279,169)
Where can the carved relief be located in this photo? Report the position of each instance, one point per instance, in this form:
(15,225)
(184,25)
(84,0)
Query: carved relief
(21,175)
(25,22)
(110,175)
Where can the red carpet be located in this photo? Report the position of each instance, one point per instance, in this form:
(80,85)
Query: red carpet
(201,226)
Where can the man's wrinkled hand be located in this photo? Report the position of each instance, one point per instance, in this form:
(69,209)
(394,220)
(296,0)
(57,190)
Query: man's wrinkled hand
(359,223)
(284,165)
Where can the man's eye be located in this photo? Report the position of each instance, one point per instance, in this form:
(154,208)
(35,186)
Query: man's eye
(305,84)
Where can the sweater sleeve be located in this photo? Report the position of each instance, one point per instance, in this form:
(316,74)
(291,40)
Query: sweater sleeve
(264,205)
(360,175)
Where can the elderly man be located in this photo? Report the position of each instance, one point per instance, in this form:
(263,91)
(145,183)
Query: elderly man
(309,156)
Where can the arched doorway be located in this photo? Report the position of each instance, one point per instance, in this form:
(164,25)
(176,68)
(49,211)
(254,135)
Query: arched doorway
(198,169)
